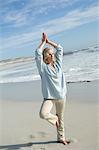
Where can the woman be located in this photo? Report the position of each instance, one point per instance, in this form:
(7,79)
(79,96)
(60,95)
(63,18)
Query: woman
(49,65)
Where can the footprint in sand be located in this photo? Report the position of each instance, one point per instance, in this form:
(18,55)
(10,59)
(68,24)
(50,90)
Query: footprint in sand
(43,134)
(32,136)
(38,135)
(72,140)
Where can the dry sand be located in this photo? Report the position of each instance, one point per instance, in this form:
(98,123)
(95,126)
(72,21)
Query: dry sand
(22,129)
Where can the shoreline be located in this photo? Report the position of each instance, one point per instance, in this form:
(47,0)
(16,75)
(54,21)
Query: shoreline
(31,91)
(40,80)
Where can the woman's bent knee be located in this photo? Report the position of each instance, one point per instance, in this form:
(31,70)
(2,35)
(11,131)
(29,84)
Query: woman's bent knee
(43,115)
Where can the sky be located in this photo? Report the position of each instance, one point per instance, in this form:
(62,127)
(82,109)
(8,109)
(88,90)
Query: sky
(72,23)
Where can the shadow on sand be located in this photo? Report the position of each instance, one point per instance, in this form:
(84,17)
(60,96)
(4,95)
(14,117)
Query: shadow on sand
(18,146)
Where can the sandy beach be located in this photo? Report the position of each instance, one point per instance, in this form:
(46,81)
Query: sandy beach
(22,129)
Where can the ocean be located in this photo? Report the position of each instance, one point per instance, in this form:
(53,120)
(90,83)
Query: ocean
(78,65)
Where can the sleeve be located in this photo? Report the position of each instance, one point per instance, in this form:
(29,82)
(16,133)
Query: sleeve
(59,55)
(39,60)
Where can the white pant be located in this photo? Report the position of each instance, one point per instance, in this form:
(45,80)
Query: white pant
(45,113)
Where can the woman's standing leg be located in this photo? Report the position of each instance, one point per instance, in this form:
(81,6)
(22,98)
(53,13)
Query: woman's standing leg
(45,112)
(60,108)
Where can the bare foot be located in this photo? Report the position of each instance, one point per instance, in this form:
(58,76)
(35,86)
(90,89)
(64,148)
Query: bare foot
(65,142)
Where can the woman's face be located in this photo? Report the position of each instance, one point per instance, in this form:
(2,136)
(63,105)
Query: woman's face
(50,57)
